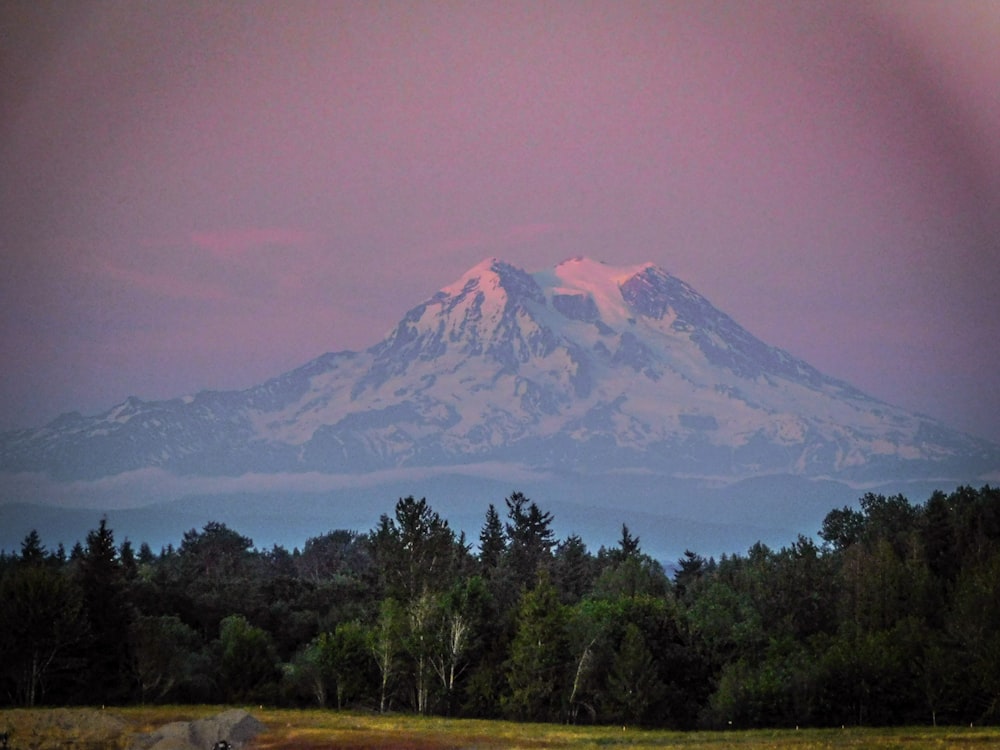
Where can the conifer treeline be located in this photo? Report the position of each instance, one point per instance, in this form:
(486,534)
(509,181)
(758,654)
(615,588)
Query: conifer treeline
(893,617)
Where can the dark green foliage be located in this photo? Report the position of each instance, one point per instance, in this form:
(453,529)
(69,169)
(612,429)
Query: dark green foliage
(632,576)
(416,551)
(530,539)
(894,618)
(212,565)
(573,570)
(386,643)
(334,669)
(32,550)
(165,652)
(351,668)
(690,570)
(248,664)
(108,614)
(492,544)
(539,656)
(335,555)
(842,528)
(634,687)
(42,630)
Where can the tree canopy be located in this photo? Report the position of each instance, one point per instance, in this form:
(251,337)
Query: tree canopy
(891,616)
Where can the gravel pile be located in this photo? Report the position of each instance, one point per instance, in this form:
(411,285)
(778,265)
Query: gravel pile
(237,727)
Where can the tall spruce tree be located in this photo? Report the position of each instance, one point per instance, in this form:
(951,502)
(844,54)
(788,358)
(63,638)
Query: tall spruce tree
(539,656)
(530,538)
(633,684)
(492,544)
(109,615)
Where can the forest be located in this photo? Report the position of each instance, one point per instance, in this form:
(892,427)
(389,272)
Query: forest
(891,617)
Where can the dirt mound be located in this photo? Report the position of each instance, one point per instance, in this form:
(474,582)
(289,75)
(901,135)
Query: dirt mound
(235,726)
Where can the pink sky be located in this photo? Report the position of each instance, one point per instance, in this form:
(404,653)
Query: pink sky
(204,195)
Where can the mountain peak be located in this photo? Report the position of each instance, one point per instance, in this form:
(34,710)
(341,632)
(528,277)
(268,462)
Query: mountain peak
(583,364)
(581,284)
(488,275)
(475,275)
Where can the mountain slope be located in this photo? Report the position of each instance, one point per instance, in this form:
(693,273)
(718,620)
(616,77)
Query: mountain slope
(580,368)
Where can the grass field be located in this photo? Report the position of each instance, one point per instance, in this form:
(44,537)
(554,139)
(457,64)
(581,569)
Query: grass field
(112,729)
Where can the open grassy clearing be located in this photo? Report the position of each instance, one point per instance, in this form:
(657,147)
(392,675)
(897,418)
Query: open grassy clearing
(112,729)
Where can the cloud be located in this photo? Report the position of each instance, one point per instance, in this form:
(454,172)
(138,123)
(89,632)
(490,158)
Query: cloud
(238,242)
(218,266)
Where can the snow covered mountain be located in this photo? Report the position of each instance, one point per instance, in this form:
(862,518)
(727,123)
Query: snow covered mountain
(580,369)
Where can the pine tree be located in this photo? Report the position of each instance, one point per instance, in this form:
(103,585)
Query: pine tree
(32,549)
(633,683)
(109,615)
(539,658)
(415,552)
(491,542)
(573,569)
(530,538)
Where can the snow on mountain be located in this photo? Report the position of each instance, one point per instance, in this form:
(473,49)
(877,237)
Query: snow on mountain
(579,368)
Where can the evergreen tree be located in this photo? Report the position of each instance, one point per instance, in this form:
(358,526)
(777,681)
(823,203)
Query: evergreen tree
(974,626)
(109,616)
(634,686)
(211,576)
(146,556)
(573,570)
(492,545)
(536,670)
(628,546)
(530,538)
(690,570)
(893,619)
(416,551)
(32,549)
(129,563)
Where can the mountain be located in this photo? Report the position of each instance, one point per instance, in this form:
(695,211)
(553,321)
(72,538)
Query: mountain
(624,375)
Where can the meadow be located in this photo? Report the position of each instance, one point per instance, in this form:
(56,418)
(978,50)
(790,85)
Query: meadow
(114,728)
